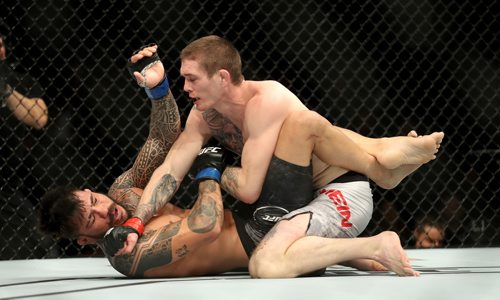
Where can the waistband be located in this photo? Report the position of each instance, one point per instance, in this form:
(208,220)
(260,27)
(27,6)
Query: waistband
(350,177)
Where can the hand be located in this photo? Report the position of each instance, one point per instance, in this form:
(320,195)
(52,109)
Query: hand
(209,164)
(122,239)
(146,67)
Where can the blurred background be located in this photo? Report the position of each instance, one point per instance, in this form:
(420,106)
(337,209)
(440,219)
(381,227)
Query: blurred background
(381,68)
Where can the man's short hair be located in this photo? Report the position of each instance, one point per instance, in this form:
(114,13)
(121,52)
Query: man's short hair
(60,213)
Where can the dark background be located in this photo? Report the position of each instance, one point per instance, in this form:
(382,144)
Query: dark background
(381,68)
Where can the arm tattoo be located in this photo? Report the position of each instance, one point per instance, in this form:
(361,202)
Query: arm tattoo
(162,193)
(208,209)
(122,193)
(164,128)
(203,216)
(154,249)
(165,120)
(229,181)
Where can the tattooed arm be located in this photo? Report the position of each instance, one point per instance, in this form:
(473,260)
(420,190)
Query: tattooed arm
(164,128)
(167,177)
(159,248)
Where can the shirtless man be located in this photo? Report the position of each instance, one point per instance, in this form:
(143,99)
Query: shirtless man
(203,240)
(246,117)
(170,245)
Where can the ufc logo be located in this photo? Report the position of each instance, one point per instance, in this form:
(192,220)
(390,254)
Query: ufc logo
(342,206)
(210,150)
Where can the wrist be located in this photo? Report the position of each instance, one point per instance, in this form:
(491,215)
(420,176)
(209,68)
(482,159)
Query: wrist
(209,173)
(159,91)
(136,224)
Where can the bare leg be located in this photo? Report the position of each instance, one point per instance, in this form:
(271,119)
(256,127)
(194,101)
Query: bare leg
(287,252)
(396,151)
(307,131)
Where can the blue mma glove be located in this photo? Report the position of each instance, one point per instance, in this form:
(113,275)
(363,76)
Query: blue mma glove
(209,164)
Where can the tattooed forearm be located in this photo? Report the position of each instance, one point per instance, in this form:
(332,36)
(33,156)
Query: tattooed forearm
(208,209)
(229,181)
(150,157)
(162,193)
(165,120)
(121,192)
(164,128)
(153,250)
(203,216)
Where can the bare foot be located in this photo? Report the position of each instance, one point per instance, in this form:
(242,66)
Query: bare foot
(365,264)
(401,150)
(395,176)
(391,255)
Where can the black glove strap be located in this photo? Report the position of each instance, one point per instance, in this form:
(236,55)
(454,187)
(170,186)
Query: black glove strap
(142,63)
(114,239)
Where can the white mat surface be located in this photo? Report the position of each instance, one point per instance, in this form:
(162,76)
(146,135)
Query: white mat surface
(453,274)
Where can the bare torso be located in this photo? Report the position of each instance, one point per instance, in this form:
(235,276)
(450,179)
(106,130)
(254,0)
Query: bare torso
(224,254)
(232,133)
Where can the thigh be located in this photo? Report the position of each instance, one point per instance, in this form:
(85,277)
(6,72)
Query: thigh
(284,234)
(340,210)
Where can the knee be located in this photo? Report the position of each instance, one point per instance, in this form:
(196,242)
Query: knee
(258,268)
(262,265)
(304,121)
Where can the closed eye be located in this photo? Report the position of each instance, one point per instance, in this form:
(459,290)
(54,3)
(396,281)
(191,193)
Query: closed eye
(93,202)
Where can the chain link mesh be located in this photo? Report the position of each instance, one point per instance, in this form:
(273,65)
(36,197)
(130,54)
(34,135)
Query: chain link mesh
(381,68)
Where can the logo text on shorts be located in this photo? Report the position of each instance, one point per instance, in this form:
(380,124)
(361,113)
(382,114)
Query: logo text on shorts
(342,206)
(269,213)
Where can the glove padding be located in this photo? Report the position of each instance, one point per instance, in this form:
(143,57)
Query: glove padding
(115,238)
(209,164)
(139,65)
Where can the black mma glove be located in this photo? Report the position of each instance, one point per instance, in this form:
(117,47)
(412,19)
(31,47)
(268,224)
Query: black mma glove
(209,164)
(115,238)
(161,89)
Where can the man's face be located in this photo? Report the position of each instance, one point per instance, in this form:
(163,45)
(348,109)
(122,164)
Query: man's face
(431,237)
(99,214)
(204,91)
(3,52)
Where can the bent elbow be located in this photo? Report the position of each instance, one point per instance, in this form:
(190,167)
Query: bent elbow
(249,198)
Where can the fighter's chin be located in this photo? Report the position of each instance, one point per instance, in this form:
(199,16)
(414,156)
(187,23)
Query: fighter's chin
(198,107)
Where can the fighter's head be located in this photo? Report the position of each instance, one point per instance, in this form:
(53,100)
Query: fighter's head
(210,65)
(79,214)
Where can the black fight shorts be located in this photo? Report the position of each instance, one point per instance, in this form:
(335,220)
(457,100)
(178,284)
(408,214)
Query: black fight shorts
(286,188)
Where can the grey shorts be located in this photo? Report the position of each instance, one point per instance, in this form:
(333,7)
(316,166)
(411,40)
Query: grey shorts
(339,210)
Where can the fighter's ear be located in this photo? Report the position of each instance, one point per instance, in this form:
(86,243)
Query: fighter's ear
(82,241)
(225,76)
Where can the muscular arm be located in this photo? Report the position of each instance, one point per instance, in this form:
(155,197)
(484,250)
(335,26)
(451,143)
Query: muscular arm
(158,248)
(245,183)
(164,128)
(166,179)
